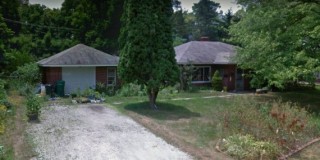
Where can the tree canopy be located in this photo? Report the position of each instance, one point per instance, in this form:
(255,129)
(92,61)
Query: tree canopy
(279,41)
(39,32)
(147,56)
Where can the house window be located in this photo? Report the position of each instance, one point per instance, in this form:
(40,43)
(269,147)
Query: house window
(201,74)
(111,78)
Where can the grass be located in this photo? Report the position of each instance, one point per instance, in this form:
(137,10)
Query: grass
(14,139)
(195,124)
(189,124)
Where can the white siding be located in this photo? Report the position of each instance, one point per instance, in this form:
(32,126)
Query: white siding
(78,77)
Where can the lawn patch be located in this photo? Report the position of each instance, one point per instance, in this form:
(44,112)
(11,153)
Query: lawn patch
(196,125)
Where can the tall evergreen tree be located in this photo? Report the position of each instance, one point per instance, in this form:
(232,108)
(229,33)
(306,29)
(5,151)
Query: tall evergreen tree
(147,56)
(208,20)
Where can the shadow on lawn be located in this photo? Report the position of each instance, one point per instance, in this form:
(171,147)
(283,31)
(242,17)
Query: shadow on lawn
(166,111)
(308,99)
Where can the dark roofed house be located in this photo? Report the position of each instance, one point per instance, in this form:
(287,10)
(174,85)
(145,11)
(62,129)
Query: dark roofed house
(207,57)
(80,67)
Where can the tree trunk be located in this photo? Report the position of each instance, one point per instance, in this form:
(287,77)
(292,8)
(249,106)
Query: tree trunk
(153,93)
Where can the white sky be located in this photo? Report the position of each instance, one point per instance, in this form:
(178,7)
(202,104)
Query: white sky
(186,4)
(225,5)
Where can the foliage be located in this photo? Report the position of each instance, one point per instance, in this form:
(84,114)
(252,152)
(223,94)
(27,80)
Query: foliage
(3,113)
(217,81)
(147,56)
(26,89)
(132,89)
(207,20)
(6,33)
(108,90)
(279,41)
(247,147)
(33,105)
(3,95)
(1,151)
(15,59)
(28,73)
(168,92)
(95,23)
(186,71)
(4,105)
(280,123)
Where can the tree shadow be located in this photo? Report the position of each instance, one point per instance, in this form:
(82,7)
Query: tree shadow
(165,111)
(306,99)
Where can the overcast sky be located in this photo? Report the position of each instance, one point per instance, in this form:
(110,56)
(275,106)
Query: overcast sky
(186,4)
(225,4)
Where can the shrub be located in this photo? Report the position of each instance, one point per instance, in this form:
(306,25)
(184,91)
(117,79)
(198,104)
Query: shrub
(283,124)
(3,95)
(33,107)
(186,72)
(247,147)
(168,92)
(3,111)
(28,73)
(132,89)
(26,90)
(217,81)
(2,153)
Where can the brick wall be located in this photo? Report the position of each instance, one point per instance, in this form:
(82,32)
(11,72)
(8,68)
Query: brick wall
(101,74)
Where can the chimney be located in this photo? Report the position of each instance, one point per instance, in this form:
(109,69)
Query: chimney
(204,38)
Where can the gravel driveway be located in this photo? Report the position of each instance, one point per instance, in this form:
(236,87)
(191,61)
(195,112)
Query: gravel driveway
(96,132)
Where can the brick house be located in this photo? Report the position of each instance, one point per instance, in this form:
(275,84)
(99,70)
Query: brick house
(80,67)
(207,57)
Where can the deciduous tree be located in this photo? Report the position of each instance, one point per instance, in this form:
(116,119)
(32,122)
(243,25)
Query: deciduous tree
(279,40)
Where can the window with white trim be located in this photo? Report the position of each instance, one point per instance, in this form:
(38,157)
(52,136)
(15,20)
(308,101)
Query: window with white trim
(111,77)
(201,74)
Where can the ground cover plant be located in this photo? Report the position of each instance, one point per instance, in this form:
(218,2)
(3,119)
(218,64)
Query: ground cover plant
(13,141)
(197,122)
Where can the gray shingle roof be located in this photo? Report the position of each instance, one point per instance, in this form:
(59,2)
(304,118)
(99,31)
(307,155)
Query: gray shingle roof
(205,52)
(80,55)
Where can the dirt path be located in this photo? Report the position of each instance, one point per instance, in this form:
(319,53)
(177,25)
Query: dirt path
(96,132)
(21,148)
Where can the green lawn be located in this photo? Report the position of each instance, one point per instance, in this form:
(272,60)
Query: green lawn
(195,124)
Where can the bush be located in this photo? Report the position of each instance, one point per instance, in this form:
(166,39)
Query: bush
(33,107)
(217,81)
(247,147)
(2,152)
(104,89)
(132,89)
(168,92)
(3,95)
(283,124)
(29,73)
(26,90)
(3,112)
(186,72)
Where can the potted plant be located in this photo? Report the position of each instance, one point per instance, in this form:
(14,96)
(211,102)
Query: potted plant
(33,107)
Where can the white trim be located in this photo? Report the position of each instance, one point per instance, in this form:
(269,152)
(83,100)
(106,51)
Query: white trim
(115,76)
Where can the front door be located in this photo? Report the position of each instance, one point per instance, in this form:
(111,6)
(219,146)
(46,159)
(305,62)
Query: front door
(239,80)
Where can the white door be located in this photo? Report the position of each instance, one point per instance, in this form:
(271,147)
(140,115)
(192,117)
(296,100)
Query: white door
(78,78)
